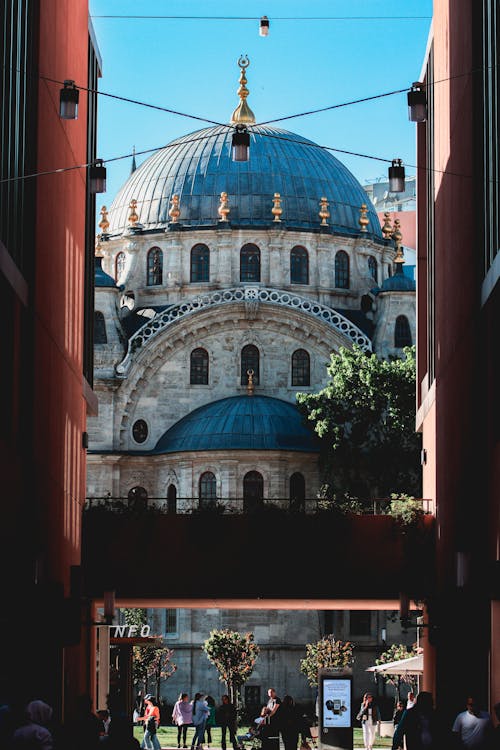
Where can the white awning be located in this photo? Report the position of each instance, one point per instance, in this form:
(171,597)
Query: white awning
(413,665)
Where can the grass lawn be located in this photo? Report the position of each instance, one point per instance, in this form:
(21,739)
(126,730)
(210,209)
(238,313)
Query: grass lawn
(168,737)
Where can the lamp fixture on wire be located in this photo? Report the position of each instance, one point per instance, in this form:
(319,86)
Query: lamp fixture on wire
(396,177)
(417,103)
(97,177)
(68,101)
(264,26)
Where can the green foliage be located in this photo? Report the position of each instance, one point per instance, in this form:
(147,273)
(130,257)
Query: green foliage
(326,653)
(397,652)
(149,662)
(405,509)
(234,655)
(365,417)
(135,616)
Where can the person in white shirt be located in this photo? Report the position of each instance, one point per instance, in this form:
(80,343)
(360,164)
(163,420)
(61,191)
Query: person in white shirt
(410,700)
(473,727)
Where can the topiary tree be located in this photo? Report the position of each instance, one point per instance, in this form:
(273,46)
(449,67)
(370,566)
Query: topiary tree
(234,655)
(326,653)
(397,652)
(152,662)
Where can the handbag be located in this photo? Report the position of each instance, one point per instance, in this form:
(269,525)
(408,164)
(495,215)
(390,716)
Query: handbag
(151,725)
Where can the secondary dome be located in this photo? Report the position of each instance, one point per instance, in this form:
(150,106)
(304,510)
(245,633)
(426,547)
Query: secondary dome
(198,167)
(240,423)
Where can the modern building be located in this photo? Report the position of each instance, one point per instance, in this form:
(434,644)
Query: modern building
(458,303)
(47,222)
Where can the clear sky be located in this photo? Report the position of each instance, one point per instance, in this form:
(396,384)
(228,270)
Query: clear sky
(191,66)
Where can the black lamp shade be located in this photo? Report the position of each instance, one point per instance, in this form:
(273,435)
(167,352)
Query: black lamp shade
(97,177)
(417,105)
(241,145)
(396,177)
(264,26)
(68,101)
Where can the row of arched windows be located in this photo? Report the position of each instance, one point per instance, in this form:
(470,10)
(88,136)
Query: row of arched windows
(250,362)
(250,266)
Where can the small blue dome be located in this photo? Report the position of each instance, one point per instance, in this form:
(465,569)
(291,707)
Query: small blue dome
(101,278)
(240,423)
(398,282)
(198,167)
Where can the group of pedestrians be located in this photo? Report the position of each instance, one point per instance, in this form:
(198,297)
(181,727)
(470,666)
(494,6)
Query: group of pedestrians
(202,714)
(279,717)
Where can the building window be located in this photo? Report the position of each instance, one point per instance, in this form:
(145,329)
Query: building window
(140,431)
(253,490)
(172,499)
(171,622)
(249,263)
(199,367)
(373,268)
(200,263)
(100,336)
(402,333)
(301,368)
(252,696)
(155,267)
(360,622)
(250,361)
(138,499)
(342,270)
(120,261)
(299,266)
(208,490)
(297,492)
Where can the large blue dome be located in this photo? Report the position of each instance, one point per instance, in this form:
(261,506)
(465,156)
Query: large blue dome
(240,423)
(198,167)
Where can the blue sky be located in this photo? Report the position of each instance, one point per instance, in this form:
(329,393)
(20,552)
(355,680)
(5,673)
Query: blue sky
(191,66)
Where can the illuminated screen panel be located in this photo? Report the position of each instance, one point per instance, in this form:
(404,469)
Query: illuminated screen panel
(336,703)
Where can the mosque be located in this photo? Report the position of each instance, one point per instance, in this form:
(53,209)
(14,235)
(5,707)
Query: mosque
(221,289)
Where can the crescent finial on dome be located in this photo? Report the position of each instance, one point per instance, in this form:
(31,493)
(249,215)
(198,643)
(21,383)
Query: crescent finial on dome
(243,114)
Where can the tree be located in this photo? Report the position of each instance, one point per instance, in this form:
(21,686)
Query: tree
(365,417)
(326,653)
(397,652)
(234,655)
(149,661)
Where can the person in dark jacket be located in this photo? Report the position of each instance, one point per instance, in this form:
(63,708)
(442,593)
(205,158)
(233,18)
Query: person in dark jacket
(289,722)
(419,726)
(226,719)
(398,713)
(369,716)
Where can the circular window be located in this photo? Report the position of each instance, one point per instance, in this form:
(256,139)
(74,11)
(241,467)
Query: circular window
(140,431)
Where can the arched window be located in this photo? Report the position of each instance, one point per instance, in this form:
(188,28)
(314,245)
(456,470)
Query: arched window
(342,270)
(140,431)
(297,491)
(199,367)
(301,368)
(299,266)
(402,332)
(253,490)
(171,499)
(373,268)
(200,263)
(120,261)
(208,489)
(155,267)
(138,499)
(250,263)
(366,303)
(100,336)
(250,361)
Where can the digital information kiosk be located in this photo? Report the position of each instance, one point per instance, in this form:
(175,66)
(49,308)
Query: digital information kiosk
(335,709)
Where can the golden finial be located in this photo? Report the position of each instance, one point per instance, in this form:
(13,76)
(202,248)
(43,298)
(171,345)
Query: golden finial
(323,212)
(397,236)
(276,209)
(174,212)
(243,114)
(133,216)
(98,247)
(363,220)
(104,223)
(223,209)
(387,228)
(250,385)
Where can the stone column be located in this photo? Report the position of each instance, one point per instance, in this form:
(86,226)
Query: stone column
(277,268)
(225,251)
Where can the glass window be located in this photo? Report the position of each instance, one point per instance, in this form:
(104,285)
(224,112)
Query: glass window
(249,263)
(100,336)
(402,332)
(342,270)
(373,268)
(155,267)
(297,491)
(140,431)
(172,499)
(120,261)
(250,361)
(299,266)
(253,490)
(200,263)
(208,489)
(199,367)
(301,368)
(170,622)
(360,622)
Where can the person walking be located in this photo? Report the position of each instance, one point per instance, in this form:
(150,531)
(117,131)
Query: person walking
(200,715)
(419,726)
(473,728)
(182,715)
(151,721)
(369,716)
(289,723)
(226,719)
(396,718)
(210,722)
